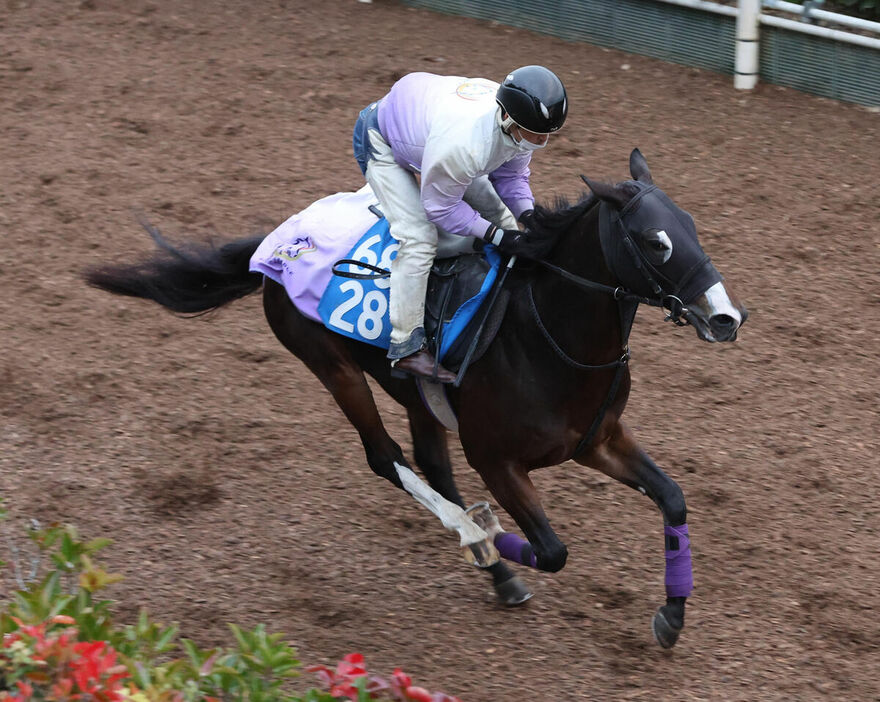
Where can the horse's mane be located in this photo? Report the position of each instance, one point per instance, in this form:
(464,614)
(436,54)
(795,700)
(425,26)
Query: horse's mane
(557,219)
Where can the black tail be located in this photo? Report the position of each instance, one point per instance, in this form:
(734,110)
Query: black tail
(195,279)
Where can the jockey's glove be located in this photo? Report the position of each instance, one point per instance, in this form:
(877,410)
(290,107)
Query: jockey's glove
(527,219)
(513,242)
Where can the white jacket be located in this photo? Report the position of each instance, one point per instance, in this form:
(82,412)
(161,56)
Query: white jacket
(448,128)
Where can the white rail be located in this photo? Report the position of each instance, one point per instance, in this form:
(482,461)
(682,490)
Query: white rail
(824,15)
(749,18)
(826,32)
(705,5)
(748,45)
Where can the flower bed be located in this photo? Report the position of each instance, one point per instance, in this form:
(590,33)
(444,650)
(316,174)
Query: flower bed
(59,643)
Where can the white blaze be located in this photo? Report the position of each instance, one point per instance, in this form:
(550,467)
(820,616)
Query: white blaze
(718,302)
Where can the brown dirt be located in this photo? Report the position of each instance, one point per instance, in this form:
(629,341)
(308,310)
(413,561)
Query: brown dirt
(232,485)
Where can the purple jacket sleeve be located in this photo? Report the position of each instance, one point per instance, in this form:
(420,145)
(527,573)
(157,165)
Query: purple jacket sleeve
(511,182)
(445,178)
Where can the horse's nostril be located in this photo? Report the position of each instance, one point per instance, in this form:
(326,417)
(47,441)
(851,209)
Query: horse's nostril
(722,324)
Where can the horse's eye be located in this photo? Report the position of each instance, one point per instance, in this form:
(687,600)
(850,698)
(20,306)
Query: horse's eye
(657,246)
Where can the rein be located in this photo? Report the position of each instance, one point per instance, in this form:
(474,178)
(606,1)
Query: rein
(672,304)
(376,274)
(627,305)
(622,361)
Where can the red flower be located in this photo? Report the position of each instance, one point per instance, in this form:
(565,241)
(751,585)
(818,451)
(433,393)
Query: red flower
(35,632)
(352,666)
(324,674)
(62,689)
(345,689)
(419,694)
(342,682)
(95,671)
(401,678)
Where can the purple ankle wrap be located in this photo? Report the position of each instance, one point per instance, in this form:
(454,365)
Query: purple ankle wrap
(679,575)
(515,548)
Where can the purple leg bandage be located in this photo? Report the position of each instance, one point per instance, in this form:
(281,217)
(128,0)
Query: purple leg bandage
(515,548)
(679,575)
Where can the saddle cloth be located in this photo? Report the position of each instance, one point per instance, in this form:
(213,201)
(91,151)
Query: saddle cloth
(301,252)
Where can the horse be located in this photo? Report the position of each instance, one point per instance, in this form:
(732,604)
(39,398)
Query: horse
(550,386)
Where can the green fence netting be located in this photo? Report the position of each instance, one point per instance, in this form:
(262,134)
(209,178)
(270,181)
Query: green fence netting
(689,36)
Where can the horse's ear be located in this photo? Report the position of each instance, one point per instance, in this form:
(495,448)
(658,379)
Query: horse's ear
(638,167)
(611,194)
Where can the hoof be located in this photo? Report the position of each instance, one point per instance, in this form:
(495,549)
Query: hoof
(512,592)
(664,632)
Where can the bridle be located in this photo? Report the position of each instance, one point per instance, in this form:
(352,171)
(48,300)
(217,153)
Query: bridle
(627,305)
(676,312)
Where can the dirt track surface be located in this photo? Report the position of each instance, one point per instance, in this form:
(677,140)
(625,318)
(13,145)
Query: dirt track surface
(236,491)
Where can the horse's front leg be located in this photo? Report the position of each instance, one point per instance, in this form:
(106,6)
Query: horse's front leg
(513,489)
(619,456)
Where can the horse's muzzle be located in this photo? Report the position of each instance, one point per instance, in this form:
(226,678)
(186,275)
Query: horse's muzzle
(723,327)
(715,315)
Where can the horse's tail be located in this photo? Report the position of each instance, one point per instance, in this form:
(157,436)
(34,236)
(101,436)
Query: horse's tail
(195,279)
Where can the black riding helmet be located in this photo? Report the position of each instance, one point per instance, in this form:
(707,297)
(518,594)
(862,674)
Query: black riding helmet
(534,98)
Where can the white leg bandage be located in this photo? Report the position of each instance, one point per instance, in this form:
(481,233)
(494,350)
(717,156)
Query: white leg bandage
(451,515)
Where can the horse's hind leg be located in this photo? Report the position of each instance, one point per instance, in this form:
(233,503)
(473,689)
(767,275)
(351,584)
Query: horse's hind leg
(511,486)
(328,356)
(431,453)
(620,457)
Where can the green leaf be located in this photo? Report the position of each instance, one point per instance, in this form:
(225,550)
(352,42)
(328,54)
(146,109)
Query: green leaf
(141,675)
(97,544)
(315,695)
(163,644)
(361,686)
(196,656)
(239,635)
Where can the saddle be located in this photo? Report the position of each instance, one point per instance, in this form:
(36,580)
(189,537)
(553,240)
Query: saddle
(452,283)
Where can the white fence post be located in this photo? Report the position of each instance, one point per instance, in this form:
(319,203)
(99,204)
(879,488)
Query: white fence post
(747,47)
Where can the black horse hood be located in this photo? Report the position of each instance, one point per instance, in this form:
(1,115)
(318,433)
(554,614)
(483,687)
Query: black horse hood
(648,218)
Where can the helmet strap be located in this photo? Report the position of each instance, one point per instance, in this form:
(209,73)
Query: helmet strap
(507,123)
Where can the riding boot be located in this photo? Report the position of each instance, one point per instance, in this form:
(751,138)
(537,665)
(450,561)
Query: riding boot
(421,364)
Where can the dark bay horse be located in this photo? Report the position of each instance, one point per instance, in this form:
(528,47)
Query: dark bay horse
(551,386)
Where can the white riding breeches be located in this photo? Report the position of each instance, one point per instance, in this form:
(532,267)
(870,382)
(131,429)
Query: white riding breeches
(397,190)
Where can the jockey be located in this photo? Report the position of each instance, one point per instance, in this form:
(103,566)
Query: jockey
(470,142)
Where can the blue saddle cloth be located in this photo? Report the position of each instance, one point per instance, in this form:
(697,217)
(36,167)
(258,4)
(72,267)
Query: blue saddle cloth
(358,308)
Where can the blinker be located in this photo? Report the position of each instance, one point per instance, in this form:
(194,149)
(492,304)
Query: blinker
(683,276)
